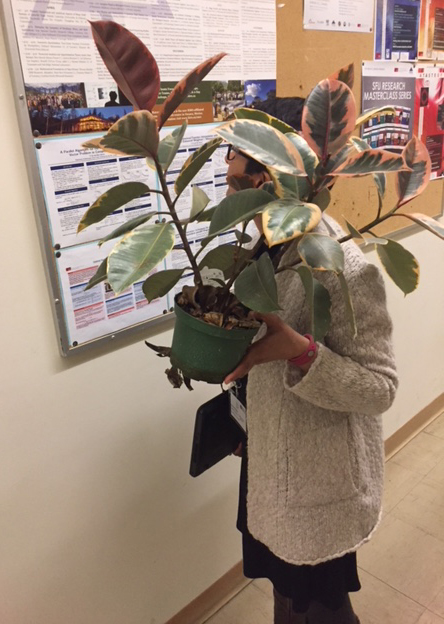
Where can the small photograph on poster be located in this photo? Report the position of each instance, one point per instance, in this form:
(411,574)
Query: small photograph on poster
(431,32)
(76,120)
(392,84)
(226,96)
(57,96)
(103,94)
(397,29)
(258,91)
(196,109)
(429,114)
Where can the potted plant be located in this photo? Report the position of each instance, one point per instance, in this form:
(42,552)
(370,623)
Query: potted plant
(214,326)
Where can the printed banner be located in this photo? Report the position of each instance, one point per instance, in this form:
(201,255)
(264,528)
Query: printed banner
(396,29)
(431,33)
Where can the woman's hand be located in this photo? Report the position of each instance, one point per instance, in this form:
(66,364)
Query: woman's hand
(281,342)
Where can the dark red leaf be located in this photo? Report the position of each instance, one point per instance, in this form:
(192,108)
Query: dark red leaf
(129,62)
(183,88)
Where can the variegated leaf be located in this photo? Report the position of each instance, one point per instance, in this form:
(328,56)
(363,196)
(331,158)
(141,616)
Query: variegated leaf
(432,225)
(224,258)
(372,113)
(110,201)
(353,231)
(200,201)
(133,135)
(169,145)
(329,116)
(400,265)
(256,286)
(371,161)
(321,252)
(129,62)
(194,164)
(99,275)
(345,74)
(97,144)
(286,185)
(238,207)
(379,178)
(257,115)
(286,219)
(309,158)
(128,226)
(322,199)
(263,143)
(138,253)
(183,88)
(412,183)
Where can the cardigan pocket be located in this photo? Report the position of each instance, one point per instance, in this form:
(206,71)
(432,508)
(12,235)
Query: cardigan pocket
(323,467)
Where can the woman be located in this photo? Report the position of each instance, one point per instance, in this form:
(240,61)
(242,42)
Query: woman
(312,475)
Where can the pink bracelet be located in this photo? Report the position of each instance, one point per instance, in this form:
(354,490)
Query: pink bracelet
(308,355)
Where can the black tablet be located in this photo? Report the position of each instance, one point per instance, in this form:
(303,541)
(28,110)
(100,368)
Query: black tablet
(216,434)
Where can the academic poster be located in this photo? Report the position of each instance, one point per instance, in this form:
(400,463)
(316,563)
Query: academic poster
(429,114)
(431,33)
(396,30)
(392,84)
(339,15)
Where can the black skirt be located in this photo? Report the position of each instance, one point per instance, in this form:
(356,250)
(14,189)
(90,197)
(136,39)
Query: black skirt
(328,583)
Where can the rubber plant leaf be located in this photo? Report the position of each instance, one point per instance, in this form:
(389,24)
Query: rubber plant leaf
(379,178)
(200,201)
(110,201)
(224,258)
(138,253)
(345,74)
(160,283)
(308,156)
(263,143)
(287,186)
(372,113)
(410,184)
(321,252)
(238,207)
(257,115)
(286,219)
(129,62)
(99,276)
(400,265)
(194,164)
(133,135)
(169,145)
(328,117)
(371,161)
(319,303)
(256,286)
(183,88)
(128,226)
(432,225)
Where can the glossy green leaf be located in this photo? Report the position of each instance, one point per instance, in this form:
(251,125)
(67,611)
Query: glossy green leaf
(372,113)
(286,219)
(410,184)
(321,252)
(234,209)
(110,201)
(138,253)
(374,240)
(319,303)
(169,145)
(184,87)
(133,135)
(353,231)
(224,258)
(194,164)
(257,115)
(379,178)
(308,156)
(400,264)
(322,199)
(129,62)
(99,276)
(287,186)
(432,225)
(160,283)
(205,215)
(349,311)
(328,118)
(200,201)
(242,237)
(256,286)
(263,143)
(345,74)
(371,161)
(128,226)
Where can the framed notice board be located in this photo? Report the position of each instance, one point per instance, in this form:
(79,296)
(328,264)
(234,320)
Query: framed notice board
(65,96)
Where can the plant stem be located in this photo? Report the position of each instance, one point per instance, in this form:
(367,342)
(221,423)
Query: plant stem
(243,264)
(177,223)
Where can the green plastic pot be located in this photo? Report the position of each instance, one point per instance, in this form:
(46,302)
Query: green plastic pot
(205,352)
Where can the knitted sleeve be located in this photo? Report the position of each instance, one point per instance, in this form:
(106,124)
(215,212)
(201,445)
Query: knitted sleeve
(352,375)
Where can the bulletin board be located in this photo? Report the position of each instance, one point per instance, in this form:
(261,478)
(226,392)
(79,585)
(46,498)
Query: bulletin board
(304,57)
(65,97)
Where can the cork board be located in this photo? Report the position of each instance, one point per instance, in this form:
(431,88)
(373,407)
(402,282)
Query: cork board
(304,57)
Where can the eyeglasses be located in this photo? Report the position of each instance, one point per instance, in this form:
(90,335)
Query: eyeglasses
(231,152)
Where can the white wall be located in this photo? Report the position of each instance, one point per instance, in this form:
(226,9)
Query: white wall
(100,522)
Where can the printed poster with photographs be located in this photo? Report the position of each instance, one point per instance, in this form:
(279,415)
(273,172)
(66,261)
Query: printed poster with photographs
(429,114)
(392,84)
(431,32)
(71,98)
(397,29)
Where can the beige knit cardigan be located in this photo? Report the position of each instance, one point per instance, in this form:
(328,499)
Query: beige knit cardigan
(315,448)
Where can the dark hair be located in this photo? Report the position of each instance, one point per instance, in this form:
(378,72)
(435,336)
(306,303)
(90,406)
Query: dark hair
(112,95)
(288,110)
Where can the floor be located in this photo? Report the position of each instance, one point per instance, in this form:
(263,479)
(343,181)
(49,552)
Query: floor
(402,568)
